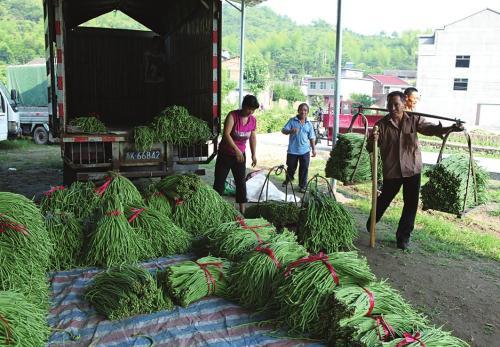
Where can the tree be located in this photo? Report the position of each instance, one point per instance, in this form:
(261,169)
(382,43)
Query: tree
(227,84)
(256,73)
(364,99)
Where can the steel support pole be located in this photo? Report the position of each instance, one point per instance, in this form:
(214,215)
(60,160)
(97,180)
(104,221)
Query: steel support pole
(242,52)
(338,67)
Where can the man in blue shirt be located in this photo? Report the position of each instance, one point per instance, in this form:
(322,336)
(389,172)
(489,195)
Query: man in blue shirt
(302,139)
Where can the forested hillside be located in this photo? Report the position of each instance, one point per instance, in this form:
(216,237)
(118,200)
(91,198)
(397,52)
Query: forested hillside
(286,48)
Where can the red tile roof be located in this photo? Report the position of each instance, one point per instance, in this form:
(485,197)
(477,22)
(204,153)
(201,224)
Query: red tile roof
(389,80)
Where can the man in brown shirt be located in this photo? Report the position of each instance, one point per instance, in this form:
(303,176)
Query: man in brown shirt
(402,161)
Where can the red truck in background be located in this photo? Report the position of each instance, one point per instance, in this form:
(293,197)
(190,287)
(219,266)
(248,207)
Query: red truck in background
(325,121)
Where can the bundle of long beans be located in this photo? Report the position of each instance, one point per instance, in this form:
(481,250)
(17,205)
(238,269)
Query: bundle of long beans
(326,225)
(162,237)
(431,337)
(190,281)
(234,240)
(80,199)
(88,124)
(21,322)
(175,125)
(254,280)
(372,330)
(118,185)
(25,248)
(445,191)
(309,282)
(343,161)
(113,240)
(66,234)
(280,214)
(351,303)
(144,138)
(196,206)
(125,291)
(157,201)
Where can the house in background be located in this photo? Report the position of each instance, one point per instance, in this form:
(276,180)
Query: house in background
(409,76)
(352,82)
(385,84)
(458,72)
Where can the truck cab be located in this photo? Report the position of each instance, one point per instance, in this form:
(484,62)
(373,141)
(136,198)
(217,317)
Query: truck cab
(9,117)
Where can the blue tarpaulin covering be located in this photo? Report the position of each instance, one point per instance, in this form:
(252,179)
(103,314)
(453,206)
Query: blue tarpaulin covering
(208,322)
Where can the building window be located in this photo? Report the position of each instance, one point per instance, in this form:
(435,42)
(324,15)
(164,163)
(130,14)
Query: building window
(312,85)
(332,86)
(322,85)
(462,61)
(460,83)
(386,89)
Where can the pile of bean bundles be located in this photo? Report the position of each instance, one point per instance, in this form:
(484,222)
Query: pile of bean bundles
(120,187)
(254,279)
(449,183)
(25,248)
(190,281)
(430,337)
(161,235)
(176,126)
(358,312)
(196,206)
(124,291)
(89,124)
(66,234)
(112,240)
(349,160)
(80,199)
(22,323)
(234,240)
(280,214)
(308,283)
(326,225)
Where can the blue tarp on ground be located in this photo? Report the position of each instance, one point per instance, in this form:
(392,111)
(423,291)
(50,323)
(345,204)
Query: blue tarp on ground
(209,322)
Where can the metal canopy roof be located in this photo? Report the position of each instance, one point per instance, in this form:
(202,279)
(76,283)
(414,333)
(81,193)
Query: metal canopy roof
(249,2)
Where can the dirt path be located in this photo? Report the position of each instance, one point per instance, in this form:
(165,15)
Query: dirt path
(461,292)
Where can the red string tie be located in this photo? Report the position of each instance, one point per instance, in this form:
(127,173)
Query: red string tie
(208,274)
(100,191)
(372,302)
(389,333)
(270,253)
(7,224)
(136,212)
(409,338)
(178,201)
(312,258)
(51,191)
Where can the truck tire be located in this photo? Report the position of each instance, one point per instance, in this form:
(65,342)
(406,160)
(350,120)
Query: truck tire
(40,136)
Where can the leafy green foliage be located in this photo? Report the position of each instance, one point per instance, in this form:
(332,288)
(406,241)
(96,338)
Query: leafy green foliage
(256,73)
(291,93)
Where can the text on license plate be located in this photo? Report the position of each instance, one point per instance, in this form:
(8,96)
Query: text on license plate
(146,155)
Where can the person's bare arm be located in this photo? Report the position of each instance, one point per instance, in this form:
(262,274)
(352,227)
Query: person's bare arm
(253,146)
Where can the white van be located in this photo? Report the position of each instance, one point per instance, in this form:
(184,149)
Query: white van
(9,118)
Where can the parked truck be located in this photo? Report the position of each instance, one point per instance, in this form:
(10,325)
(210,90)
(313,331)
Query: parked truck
(9,118)
(29,83)
(126,77)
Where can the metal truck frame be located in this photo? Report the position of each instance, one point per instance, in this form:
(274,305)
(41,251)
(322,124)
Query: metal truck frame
(78,67)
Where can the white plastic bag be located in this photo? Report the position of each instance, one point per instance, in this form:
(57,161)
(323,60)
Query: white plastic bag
(254,187)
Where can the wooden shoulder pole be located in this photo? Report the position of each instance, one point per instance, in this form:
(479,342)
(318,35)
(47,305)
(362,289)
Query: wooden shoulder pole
(373,217)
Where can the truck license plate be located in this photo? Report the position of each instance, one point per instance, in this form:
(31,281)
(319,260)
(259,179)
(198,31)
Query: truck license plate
(146,155)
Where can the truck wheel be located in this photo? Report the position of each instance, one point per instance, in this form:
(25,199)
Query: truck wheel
(40,136)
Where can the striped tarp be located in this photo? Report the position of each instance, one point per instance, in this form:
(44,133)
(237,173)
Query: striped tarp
(209,322)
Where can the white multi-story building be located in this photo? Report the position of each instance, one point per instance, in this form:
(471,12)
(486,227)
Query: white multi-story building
(351,82)
(458,73)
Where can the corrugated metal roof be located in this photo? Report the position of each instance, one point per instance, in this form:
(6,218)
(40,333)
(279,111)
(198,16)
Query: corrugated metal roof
(389,80)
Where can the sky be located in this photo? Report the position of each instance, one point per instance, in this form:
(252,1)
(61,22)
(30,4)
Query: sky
(373,16)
